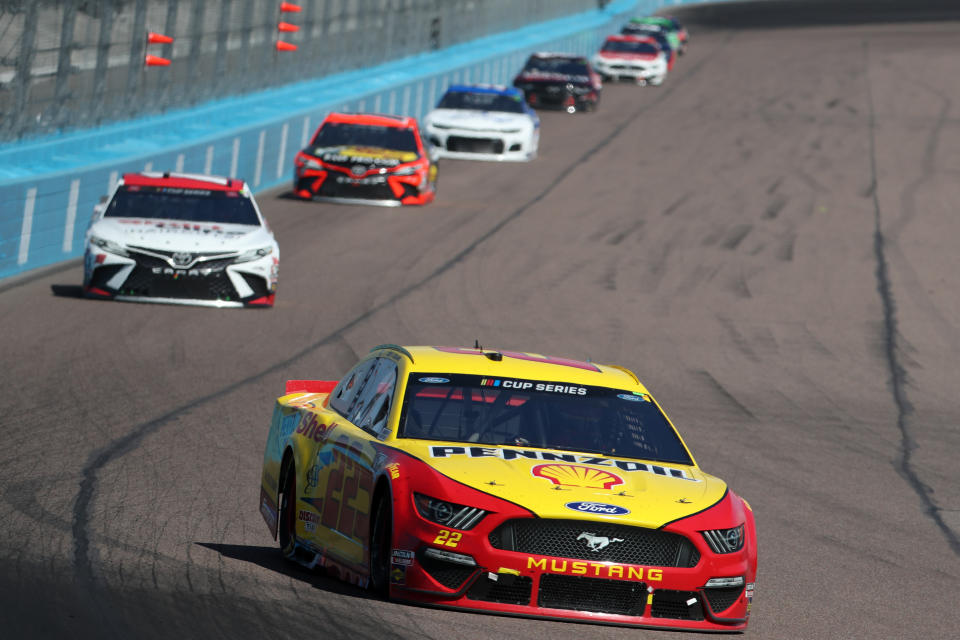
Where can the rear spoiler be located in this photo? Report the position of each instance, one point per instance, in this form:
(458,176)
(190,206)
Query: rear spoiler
(310,386)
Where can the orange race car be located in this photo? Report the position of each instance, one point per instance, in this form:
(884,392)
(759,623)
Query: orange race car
(366,159)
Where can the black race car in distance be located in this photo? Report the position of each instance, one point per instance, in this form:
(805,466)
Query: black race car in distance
(559,80)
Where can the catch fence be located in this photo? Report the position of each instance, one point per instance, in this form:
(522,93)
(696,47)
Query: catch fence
(67,64)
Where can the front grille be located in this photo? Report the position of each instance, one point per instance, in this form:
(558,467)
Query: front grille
(450,575)
(567,539)
(592,594)
(333,189)
(143,282)
(723,598)
(517,592)
(545,96)
(673,604)
(475,145)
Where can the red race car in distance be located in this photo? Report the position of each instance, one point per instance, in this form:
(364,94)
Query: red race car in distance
(366,159)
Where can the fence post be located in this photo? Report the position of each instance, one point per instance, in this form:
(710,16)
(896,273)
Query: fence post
(100,110)
(138,45)
(24,66)
(61,94)
(169,28)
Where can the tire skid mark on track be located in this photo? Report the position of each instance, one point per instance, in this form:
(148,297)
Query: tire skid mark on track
(97,460)
(909,210)
(725,394)
(898,374)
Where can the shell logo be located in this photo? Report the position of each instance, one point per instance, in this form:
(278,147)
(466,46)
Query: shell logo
(574,475)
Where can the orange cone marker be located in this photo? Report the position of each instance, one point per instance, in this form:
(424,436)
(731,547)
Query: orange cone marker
(156,61)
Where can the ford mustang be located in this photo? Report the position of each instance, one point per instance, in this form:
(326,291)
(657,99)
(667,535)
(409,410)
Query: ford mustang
(638,58)
(182,239)
(366,159)
(506,482)
(658,33)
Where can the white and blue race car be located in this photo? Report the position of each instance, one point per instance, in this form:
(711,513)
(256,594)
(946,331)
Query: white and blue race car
(483,122)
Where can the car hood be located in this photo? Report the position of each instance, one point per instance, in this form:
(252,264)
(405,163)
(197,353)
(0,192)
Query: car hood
(547,77)
(177,235)
(645,57)
(350,155)
(479,120)
(568,485)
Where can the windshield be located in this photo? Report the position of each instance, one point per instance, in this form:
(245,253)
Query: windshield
(624,46)
(194,205)
(338,134)
(641,29)
(564,66)
(484,101)
(532,413)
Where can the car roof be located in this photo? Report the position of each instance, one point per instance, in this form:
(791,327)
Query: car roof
(498,89)
(373,119)
(512,364)
(653,20)
(554,54)
(182,181)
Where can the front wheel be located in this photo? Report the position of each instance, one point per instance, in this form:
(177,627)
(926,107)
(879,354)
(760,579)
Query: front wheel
(381,534)
(288,515)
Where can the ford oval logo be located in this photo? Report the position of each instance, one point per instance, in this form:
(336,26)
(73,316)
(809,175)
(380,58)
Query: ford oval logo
(598,508)
(630,396)
(434,380)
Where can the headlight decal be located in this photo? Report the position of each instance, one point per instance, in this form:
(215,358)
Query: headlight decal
(254,254)
(108,245)
(448,514)
(724,540)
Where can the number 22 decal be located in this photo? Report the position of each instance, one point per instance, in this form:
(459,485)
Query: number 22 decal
(448,538)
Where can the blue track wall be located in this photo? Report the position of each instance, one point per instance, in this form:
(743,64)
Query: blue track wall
(48,187)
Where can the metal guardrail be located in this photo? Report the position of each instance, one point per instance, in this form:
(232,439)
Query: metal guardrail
(68,64)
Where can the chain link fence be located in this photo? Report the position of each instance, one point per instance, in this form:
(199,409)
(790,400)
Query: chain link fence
(78,63)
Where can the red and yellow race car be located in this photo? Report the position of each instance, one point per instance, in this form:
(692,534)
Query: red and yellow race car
(366,159)
(506,482)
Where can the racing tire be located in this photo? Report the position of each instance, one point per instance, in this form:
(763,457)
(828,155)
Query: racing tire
(381,537)
(287,525)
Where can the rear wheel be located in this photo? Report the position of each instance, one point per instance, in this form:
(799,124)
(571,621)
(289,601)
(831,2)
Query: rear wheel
(288,515)
(381,535)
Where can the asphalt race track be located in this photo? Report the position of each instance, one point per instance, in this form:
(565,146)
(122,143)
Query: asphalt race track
(768,240)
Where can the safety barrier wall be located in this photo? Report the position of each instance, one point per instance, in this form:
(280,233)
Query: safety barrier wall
(48,187)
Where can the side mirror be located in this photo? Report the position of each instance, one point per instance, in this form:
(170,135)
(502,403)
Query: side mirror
(100,207)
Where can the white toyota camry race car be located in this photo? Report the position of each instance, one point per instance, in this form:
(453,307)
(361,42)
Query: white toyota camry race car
(181,238)
(483,122)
